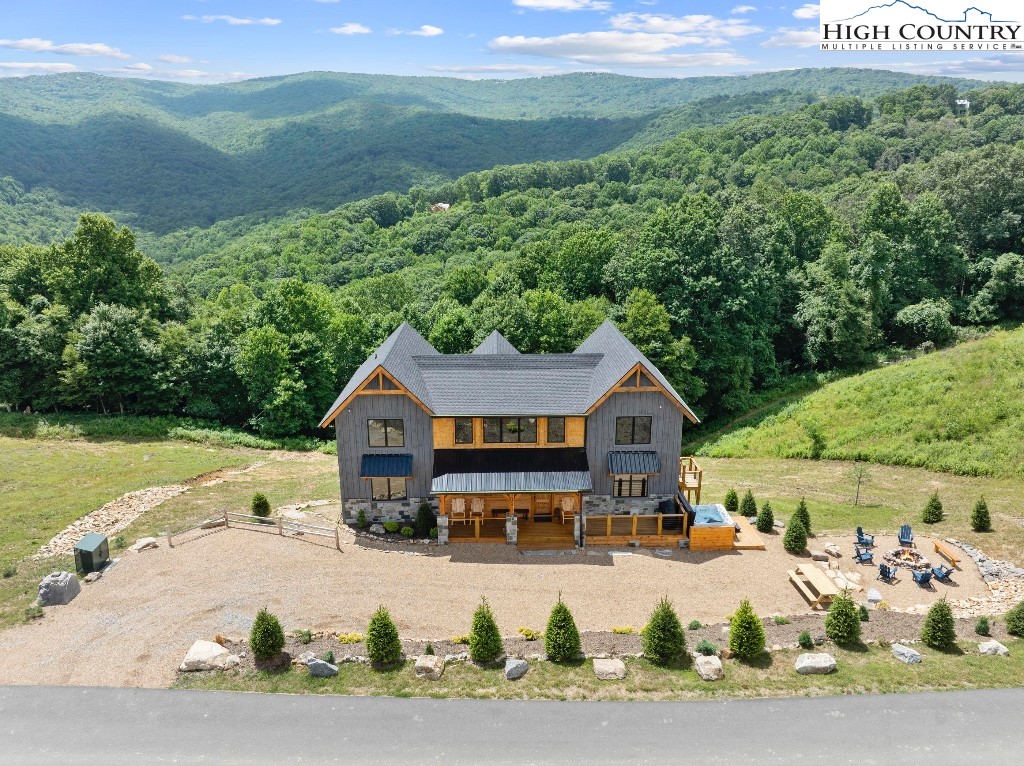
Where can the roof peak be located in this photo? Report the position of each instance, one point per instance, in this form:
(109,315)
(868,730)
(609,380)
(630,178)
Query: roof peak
(495,343)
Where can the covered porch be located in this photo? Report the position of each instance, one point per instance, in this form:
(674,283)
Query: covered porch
(544,520)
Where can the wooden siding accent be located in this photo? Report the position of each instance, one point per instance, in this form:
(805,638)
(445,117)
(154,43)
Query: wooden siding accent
(444,435)
(575,432)
(374,386)
(712,538)
(639,381)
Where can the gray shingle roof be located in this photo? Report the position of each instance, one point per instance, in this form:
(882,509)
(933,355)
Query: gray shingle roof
(495,343)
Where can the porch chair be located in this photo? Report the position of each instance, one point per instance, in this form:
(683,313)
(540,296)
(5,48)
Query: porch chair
(863,556)
(886,573)
(906,536)
(459,510)
(476,510)
(568,508)
(865,539)
(923,578)
(942,572)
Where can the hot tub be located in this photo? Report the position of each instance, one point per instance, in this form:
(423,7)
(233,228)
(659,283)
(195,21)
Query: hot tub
(712,529)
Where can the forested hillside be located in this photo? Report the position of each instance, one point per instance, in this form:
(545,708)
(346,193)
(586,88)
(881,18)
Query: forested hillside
(164,156)
(733,256)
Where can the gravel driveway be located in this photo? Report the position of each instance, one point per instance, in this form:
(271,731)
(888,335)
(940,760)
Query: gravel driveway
(133,627)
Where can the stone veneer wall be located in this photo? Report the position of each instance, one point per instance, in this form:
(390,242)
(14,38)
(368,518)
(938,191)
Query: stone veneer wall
(604,505)
(384,510)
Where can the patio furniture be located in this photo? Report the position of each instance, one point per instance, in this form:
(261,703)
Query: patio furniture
(923,578)
(568,509)
(942,572)
(863,556)
(814,584)
(864,538)
(906,535)
(886,572)
(477,508)
(945,551)
(459,510)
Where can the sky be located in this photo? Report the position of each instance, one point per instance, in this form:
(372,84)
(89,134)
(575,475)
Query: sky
(227,40)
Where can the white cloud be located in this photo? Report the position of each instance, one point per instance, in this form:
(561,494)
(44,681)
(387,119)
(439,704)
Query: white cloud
(170,58)
(793,38)
(235,20)
(693,24)
(1004,63)
(637,49)
(528,69)
(564,5)
(29,67)
(743,9)
(39,45)
(427,30)
(351,28)
(808,11)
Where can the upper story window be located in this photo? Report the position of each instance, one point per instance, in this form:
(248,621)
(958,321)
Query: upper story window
(556,430)
(463,430)
(510,430)
(385,432)
(634,429)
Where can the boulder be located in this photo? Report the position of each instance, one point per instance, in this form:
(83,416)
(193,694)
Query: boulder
(905,654)
(205,655)
(305,658)
(93,576)
(320,669)
(144,543)
(58,588)
(833,550)
(232,662)
(515,669)
(819,556)
(778,524)
(429,667)
(377,529)
(609,670)
(815,664)
(874,597)
(709,668)
(993,647)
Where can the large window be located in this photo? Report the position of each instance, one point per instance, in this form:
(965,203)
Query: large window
(510,430)
(556,430)
(463,430)
(626,485)
(633,430)
(391,488)
(386,433)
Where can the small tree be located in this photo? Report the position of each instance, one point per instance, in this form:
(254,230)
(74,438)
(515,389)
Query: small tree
(561,639)
(982,627)
(383,646)
(485,643)
(981,519)
(803,515)
(1015,620)
(932,510)
(795,539)
(746,633)
(842,623)
(765,518)
(266,639)
(426,520)
(732,501)
(664,641)
(805,640)
(260,506)
(861,475)
(748,507)
(361,521)
(939,630)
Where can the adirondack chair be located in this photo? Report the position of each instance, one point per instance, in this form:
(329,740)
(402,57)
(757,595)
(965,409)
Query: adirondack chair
(865,539)
(886,572)
(864,556)
(942,572)
(923,578)
(906,535)
(459,510)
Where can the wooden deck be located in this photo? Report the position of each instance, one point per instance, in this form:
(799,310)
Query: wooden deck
(545,536)
(748,538)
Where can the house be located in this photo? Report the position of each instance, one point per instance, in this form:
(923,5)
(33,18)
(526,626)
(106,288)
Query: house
(545,449)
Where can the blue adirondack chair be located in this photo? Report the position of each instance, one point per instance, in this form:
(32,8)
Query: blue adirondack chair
(864,556)
(865,539)
(923,578)
(906,535)
(886,572)
(942,572)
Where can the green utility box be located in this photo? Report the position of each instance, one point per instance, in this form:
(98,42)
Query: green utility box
(92,553)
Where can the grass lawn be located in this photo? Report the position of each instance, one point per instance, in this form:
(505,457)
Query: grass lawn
(862,670)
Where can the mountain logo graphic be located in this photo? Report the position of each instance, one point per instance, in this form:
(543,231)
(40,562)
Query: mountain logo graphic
(905,6)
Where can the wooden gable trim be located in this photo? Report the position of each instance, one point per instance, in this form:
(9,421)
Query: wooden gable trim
(377,376)
(634,373)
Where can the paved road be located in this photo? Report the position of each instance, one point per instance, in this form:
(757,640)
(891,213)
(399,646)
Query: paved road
(44,725)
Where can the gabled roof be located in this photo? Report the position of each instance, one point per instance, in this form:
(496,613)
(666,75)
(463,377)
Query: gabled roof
(495,343)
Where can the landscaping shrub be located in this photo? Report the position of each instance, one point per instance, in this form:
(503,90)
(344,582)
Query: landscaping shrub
(120,543)
(842,623)
(426,520)
(805,640)
(561,639)
(982,628)
(304,636)
(391,526)
(623,630)
(361,521)
(408,533)
(433,533)
(383,646)
(746,633)
(350,638)
(10,570)
(706,648)
(780,620)
(529,634)
(932,510)
(328,657)
(748,507)
(460,639)
(260,506)
(34,612)
(428,650)
(795,539)
(981,519)
(863,613)
(485,643)
(664,641)
(939,630)
(765,518)
(803,515)
(1015,620)
(732,501)
(266,639)
(695,625)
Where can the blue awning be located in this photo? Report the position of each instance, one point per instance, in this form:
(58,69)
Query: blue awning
(379,466)
(633,462)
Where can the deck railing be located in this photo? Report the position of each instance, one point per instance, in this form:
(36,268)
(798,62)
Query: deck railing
(654,529)
(691,477)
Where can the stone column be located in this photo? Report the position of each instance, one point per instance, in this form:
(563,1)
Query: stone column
(442,530)
(577,528)
(511,529)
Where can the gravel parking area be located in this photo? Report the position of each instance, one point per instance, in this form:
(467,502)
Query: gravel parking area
(133,626)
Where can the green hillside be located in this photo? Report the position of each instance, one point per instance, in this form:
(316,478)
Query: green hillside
(960,410)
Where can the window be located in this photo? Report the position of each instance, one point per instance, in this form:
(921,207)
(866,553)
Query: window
(633,430)
(510,430)
(627,485)
(556,430)
(463,430)
(391,488)
(386,433)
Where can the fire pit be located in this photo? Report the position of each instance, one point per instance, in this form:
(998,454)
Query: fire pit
(909,558)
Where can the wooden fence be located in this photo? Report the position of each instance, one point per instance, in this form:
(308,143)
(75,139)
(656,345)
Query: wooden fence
(649,530)
(246,521)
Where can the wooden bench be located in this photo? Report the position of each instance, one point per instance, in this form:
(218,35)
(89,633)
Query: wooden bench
(944,550)
(817,580)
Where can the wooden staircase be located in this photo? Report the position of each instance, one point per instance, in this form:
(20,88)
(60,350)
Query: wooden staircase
(545,536)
